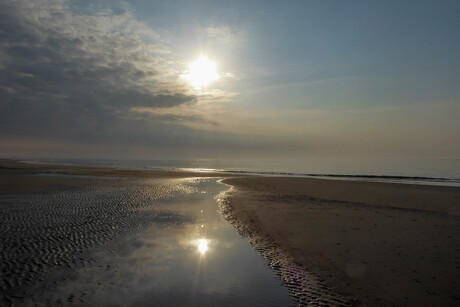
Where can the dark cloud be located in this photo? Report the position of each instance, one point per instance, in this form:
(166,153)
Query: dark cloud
(73,75)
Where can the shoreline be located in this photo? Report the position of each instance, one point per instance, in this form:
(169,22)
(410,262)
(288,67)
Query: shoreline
(362,177)
(382,243)
(20,177)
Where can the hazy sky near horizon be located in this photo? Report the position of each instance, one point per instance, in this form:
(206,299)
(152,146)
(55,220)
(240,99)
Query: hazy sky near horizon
(296,79)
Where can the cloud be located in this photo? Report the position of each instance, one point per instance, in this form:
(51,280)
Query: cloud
(172,116)
(67,70)
(73,75)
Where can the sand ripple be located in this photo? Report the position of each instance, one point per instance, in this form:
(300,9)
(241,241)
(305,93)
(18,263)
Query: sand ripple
(39,232)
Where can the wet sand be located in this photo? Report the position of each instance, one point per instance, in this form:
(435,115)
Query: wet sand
(335,243)
(161,264)
(51,216)
(383,244)
(15,176)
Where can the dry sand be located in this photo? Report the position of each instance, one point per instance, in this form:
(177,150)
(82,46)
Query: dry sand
(384,244)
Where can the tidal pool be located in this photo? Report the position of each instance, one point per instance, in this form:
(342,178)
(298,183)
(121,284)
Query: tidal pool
(188,256)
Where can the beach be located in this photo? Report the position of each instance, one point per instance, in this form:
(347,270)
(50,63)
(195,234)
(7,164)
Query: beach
(53,217)
(384,244)
(229,153)
(78,235)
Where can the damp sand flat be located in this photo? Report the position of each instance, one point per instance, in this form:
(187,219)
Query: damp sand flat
(45,235)
(49,222)
(129,237)
(151,238)
(191,258)
(382,243)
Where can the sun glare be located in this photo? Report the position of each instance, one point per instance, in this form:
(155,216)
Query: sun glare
(202,246)
(201,72)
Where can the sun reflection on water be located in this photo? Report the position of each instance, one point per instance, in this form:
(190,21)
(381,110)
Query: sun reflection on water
(202,246)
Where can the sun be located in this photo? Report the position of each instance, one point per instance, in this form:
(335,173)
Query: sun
(202,246)
(201,72)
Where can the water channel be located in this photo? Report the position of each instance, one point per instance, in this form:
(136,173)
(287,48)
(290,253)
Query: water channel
(188,257)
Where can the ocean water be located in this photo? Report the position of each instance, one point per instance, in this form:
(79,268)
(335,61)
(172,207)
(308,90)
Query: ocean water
(434,171)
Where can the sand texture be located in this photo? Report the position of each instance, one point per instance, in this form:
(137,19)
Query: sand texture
(335,243)
(50,216)
(382,244)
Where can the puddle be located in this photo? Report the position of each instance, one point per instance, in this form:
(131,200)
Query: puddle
(193,259)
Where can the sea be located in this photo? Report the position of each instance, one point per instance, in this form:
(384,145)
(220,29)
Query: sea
(411,171)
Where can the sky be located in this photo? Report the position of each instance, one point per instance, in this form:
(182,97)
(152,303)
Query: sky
(313,78)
